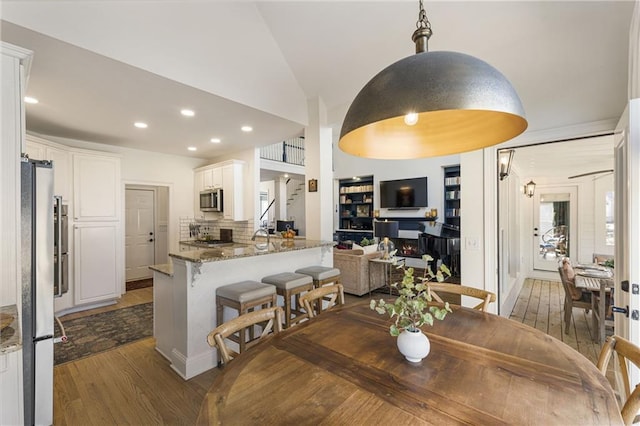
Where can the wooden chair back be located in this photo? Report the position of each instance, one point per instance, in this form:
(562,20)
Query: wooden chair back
(270,319)
(625,351)
(334,294)
(485,296)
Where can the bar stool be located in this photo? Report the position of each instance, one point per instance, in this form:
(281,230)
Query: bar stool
(321,275)
(243,296)
(290,284)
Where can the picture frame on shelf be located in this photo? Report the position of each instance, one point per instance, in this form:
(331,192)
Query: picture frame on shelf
(363,211)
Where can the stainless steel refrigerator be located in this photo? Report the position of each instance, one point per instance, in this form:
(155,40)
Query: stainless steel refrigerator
(38,271)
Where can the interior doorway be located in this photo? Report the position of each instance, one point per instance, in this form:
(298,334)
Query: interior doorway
(146,224)
(555,219)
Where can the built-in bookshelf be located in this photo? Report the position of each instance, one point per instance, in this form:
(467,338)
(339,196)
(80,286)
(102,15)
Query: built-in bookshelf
(452,195)
(355,208)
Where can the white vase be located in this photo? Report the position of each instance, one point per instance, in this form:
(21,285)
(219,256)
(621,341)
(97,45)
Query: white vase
(414,345)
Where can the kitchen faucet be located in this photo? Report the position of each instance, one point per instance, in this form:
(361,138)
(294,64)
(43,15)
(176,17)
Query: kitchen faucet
(262,231)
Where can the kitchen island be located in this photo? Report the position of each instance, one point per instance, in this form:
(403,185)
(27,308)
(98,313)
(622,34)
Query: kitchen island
(185,292)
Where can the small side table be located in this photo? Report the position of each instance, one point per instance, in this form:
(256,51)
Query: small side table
(387,265)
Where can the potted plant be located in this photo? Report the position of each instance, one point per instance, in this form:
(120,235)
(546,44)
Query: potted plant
(412,309)
(368,245)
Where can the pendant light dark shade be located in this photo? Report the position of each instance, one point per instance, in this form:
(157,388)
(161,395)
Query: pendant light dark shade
(461,104)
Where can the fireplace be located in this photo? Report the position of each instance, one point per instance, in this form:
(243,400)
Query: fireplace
(407,247)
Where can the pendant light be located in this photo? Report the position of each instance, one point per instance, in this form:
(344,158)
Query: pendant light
(431,104)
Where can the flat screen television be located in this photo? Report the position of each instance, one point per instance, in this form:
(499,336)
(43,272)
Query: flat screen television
(404,193)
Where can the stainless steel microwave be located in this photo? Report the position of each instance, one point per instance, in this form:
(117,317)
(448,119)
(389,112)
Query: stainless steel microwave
(211,200)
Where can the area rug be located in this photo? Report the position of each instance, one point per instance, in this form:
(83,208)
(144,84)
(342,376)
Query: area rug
(98,333)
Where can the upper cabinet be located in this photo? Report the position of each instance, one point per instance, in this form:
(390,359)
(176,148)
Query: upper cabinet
(212,178)
(96,187)
(232,190)
(227,175)
(61,158)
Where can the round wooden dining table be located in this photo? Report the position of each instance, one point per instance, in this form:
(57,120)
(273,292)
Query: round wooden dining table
(343,367)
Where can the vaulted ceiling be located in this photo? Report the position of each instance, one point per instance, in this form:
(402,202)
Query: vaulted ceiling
(99,66)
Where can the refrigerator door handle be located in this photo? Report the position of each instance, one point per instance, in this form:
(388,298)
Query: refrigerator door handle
(58,254)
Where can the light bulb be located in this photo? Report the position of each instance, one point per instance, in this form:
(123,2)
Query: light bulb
(411,119)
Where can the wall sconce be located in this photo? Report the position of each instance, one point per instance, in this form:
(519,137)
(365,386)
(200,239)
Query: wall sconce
(530,189)
(505,158)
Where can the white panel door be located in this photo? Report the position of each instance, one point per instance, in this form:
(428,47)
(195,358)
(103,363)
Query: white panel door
(627,226)
(139,233)
(96,262)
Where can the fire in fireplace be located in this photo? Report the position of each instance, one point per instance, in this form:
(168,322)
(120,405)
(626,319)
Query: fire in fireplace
(407,247)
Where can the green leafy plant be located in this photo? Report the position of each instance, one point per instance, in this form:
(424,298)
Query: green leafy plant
(608,263)
(412,309)
(366,242)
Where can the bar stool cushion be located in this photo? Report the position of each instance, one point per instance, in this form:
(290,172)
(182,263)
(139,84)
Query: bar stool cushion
(288,280)
(245,291)
(319,273)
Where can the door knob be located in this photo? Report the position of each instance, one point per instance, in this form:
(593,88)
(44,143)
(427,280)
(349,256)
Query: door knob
(150,240)
(150,233)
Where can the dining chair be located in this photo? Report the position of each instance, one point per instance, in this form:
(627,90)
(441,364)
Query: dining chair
(271,316)
(484,295)
(333,294)
(625,351)
(573,297)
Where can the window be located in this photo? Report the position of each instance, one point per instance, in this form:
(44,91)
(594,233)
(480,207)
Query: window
(609,222)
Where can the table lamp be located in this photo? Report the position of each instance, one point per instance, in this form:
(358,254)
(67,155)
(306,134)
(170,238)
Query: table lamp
(385,230)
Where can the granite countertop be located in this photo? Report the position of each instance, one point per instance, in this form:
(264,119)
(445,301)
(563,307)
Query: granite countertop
(166,268)
(10,337)
(234,251)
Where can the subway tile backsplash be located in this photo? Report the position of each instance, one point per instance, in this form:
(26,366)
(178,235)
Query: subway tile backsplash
(242,230)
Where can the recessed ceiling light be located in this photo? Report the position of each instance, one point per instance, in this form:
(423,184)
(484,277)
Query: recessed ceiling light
(192,148)
(140,125)
(215,140)
(246,128)
(187,112)
(30,100)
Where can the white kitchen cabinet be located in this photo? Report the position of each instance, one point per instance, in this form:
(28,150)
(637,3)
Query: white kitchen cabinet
(232,190)
(61,172)
(39,149)
(11,389)
(216,174)
(35,150)
(96,188)
(198,185)
(227,175)
(207,178)
(96,262)
(212,178)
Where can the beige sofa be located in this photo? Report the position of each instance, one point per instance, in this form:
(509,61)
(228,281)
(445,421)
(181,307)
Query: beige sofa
(354,270)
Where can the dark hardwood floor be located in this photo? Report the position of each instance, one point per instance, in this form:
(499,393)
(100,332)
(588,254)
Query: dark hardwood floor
(134,385)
